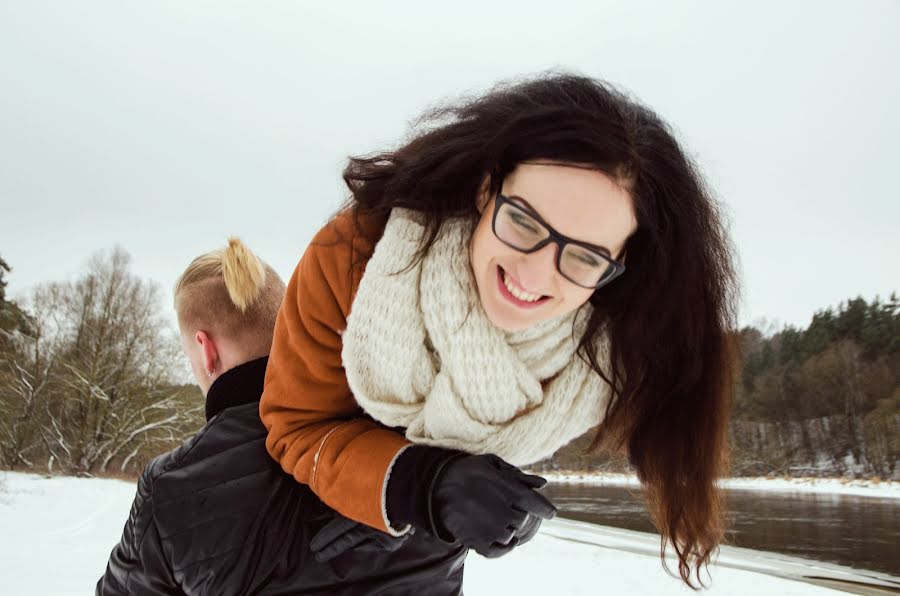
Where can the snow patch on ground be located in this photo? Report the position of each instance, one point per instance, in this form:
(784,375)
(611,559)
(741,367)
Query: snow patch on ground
(58,534)
(885,489)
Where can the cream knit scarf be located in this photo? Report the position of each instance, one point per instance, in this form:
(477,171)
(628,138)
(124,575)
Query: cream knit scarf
(419,352)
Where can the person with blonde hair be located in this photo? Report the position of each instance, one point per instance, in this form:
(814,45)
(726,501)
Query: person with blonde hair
(226,301)
(217,515)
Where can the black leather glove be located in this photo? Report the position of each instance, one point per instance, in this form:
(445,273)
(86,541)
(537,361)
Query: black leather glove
(486,504)
(342,534)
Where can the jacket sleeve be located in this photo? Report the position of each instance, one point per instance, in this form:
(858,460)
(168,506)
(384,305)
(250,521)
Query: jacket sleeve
(316,430)
(137,565)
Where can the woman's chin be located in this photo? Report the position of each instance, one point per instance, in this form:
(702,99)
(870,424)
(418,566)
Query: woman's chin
(505,322)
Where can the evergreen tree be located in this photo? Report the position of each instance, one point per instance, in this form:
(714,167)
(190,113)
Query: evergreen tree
(12,318)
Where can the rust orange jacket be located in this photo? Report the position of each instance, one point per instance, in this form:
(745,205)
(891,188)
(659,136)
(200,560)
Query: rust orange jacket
(316,430)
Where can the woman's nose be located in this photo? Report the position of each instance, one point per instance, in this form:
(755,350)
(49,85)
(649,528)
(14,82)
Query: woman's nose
(538,270)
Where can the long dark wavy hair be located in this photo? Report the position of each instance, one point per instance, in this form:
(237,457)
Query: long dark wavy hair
(670,318)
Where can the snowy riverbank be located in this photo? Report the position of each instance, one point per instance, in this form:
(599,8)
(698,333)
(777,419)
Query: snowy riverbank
(884,489)
(58,532)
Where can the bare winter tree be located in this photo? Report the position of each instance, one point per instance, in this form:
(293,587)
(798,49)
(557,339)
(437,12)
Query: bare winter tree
(99,387)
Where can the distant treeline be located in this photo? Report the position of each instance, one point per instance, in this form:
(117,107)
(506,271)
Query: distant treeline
(90,383)
(824,400)
(820,401)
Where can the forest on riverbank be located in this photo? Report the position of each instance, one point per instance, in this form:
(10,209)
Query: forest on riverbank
(819,401)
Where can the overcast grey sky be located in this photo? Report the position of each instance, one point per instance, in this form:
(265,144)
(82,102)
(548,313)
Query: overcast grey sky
(166,126)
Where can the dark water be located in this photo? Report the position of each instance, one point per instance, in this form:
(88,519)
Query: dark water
(860,532)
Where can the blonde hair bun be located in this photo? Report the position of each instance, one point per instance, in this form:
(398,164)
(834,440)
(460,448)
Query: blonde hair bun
(243,273)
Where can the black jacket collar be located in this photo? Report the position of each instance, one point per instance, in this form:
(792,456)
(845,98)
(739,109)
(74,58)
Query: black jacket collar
(240,385)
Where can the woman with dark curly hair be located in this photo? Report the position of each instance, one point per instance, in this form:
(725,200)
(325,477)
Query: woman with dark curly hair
(533,263)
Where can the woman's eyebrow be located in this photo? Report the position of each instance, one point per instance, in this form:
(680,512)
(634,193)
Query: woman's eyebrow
(528,207)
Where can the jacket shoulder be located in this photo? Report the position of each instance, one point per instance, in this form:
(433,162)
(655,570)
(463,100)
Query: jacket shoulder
(352,229)
(153,482)
(231,428)
(336,258)
(231,444)
(166,462)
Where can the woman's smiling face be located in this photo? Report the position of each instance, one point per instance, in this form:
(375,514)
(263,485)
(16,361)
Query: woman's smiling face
(582,204)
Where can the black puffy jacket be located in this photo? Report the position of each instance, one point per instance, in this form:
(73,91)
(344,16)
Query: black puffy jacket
(218,516)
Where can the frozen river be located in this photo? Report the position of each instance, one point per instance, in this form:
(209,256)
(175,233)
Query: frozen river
(860,532)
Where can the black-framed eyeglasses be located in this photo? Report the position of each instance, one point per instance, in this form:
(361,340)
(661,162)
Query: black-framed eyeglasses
(519,227)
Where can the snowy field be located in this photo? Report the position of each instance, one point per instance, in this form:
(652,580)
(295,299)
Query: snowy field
(885,489)
(58,532)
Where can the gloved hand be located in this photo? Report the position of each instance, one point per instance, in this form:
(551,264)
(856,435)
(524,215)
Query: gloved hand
(342,534)
(487,504)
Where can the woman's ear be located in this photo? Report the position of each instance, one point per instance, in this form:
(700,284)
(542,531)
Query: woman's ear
(484,194)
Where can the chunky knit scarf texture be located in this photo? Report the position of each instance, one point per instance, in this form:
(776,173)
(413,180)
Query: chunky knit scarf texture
(419,352)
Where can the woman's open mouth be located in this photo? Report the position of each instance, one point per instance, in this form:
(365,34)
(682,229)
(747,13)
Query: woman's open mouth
(514,294)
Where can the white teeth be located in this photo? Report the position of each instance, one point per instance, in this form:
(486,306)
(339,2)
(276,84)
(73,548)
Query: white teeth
(521,295)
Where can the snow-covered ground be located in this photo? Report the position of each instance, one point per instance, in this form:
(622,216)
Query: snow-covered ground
(58,532)
(884,489)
